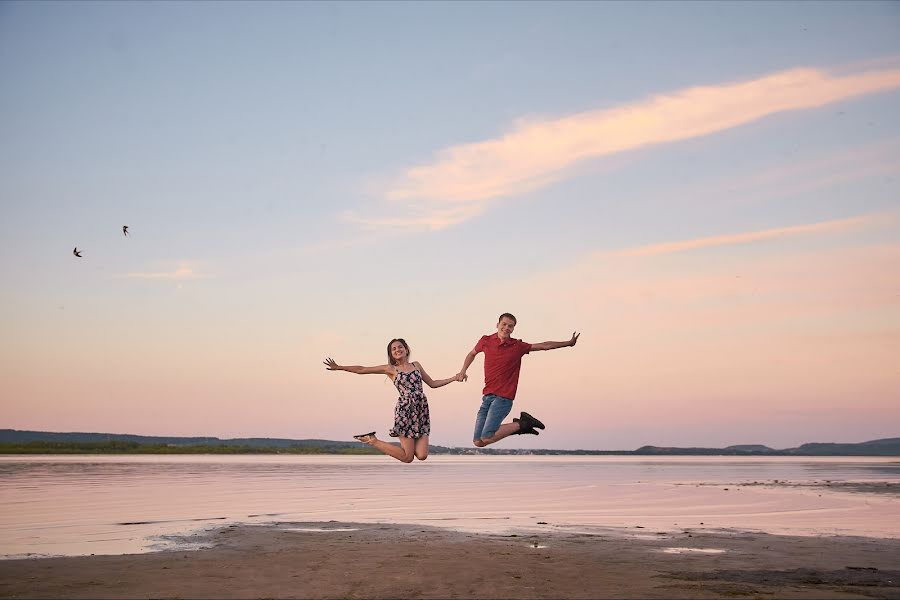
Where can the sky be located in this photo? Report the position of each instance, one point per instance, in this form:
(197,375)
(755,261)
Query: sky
(708,192)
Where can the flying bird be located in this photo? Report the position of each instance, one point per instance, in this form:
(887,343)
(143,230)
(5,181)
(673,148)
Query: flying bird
(125,229)
(76,252)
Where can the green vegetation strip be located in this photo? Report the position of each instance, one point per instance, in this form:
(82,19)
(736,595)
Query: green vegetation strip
(120,447)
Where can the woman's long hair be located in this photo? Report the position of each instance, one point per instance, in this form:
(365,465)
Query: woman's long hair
(391,343)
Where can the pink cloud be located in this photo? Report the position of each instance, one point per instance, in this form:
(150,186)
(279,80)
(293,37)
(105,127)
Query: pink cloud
(181,273)
(463,179)
(834,226)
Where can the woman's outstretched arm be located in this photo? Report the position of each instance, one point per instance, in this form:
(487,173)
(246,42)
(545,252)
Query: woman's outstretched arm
(431,382)
(331,365)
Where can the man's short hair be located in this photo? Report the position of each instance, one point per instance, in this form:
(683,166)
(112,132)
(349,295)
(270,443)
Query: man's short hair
(509,316)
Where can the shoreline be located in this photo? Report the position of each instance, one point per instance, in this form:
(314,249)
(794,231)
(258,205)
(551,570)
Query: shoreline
(365,560)
(352,449)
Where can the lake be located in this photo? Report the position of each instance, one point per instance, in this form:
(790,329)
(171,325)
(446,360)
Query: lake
(92,504)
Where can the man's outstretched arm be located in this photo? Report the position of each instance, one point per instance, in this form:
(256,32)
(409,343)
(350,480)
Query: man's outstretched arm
(555,345)
(461,376)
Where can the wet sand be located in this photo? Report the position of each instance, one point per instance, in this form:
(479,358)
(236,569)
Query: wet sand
(350,560)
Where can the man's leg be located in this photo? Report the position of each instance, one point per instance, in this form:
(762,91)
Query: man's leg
(480,418)
(492,431)
(505,430)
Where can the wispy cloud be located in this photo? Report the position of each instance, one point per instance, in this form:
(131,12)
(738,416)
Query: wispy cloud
(181,273)
(854,163)
(436,218)
(463,179)
(834,226)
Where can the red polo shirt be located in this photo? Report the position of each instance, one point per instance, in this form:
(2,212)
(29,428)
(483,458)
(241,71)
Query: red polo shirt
(502,362)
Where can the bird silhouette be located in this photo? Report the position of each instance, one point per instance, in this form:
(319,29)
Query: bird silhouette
(125,229)
(76,252)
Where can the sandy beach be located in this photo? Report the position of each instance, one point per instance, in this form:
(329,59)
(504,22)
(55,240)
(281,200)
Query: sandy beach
(355,560)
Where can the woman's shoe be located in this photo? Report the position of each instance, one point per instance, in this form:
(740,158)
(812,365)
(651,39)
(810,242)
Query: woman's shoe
(365,437)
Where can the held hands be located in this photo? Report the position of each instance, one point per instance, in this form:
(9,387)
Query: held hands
(461,377)
(331,365)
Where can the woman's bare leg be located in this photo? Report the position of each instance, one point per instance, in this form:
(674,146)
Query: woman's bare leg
(404,452)
(422,447)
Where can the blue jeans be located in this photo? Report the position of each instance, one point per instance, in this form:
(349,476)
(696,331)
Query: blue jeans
(490,416)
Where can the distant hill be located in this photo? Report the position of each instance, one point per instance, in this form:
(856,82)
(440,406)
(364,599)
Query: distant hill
(13,441)
(751,448)
(883,447)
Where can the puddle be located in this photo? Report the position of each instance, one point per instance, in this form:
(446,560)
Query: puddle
(693,550)
(320,529)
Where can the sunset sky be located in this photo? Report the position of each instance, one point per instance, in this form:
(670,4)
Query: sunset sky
(709,192)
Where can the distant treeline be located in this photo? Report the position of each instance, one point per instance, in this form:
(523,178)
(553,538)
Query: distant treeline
(13,441)
(127,447)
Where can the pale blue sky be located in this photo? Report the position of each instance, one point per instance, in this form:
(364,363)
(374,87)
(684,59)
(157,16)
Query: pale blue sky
(240,140)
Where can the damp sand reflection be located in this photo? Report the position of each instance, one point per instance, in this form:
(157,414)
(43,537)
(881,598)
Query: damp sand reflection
(71,505)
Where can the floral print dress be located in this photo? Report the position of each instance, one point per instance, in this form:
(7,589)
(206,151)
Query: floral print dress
(411,418)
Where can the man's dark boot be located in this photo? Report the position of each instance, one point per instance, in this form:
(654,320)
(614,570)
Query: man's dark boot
(529,421)
(527,426)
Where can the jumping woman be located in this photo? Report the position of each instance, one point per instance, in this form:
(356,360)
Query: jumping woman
(412,423)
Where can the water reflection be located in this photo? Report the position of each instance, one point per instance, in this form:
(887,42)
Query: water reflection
(113,504)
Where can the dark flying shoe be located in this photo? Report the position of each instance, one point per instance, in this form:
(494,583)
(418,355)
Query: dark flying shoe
(531,421)
(525,427)
(362,437)
(527,431)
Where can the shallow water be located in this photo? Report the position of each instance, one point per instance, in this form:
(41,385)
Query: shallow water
(88,504)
